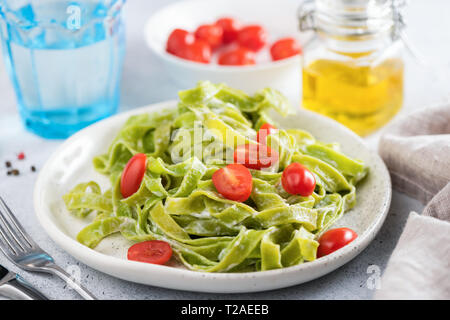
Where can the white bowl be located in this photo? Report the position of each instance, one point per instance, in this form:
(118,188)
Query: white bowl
(72,164)
(278,17)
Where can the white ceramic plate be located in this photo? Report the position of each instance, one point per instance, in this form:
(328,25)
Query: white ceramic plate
(72,163)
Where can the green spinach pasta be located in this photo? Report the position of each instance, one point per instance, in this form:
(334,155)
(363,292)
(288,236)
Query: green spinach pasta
(178,203)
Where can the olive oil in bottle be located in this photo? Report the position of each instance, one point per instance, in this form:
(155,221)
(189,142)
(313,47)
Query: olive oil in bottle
(353,69)
(363,98)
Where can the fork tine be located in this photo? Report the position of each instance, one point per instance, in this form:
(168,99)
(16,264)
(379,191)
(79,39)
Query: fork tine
(9,234)
(17,224)
(6,242)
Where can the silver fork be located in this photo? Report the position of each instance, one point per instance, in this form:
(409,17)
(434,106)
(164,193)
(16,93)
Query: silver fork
(18,246)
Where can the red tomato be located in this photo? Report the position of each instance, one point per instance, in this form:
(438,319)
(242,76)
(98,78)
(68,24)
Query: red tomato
(264,131)
(237,57)
(230,29)
(132,175)
(253,37)
(285,48)
(255,156)
(198,51)
(335,239)
(153,251)
(296,179)
(211,34)
(234,182)
(178,40)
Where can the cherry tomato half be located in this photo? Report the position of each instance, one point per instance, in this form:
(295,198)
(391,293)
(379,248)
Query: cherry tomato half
(178,40)
(198,51)
(237,57)
(264,131)
(234,182)
(296,179)
(255,156)
(335,239)
(253,37)
(132,175)
(211,34)
(230,29)
(285,48)
(152,251)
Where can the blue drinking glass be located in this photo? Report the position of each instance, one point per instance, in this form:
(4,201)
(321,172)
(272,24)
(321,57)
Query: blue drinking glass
(64,59)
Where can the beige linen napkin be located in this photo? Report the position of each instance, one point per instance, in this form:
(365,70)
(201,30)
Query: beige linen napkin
(416,150)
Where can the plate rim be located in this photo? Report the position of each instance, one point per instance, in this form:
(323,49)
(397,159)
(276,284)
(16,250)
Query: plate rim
(96,260)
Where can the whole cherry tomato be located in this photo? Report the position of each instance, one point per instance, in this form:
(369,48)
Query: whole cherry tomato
(211,34)
(253,37)
(234,182)
(132,175)
(255,156)
(264,131)
(237,57)
(230,29)
(152,251)
(335,239)
(178,40)
(285,48)
(198,51)
(296,179)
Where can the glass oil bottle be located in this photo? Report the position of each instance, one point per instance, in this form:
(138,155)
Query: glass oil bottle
(353,67)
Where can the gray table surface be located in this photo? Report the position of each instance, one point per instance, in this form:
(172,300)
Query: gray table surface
(145,82)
